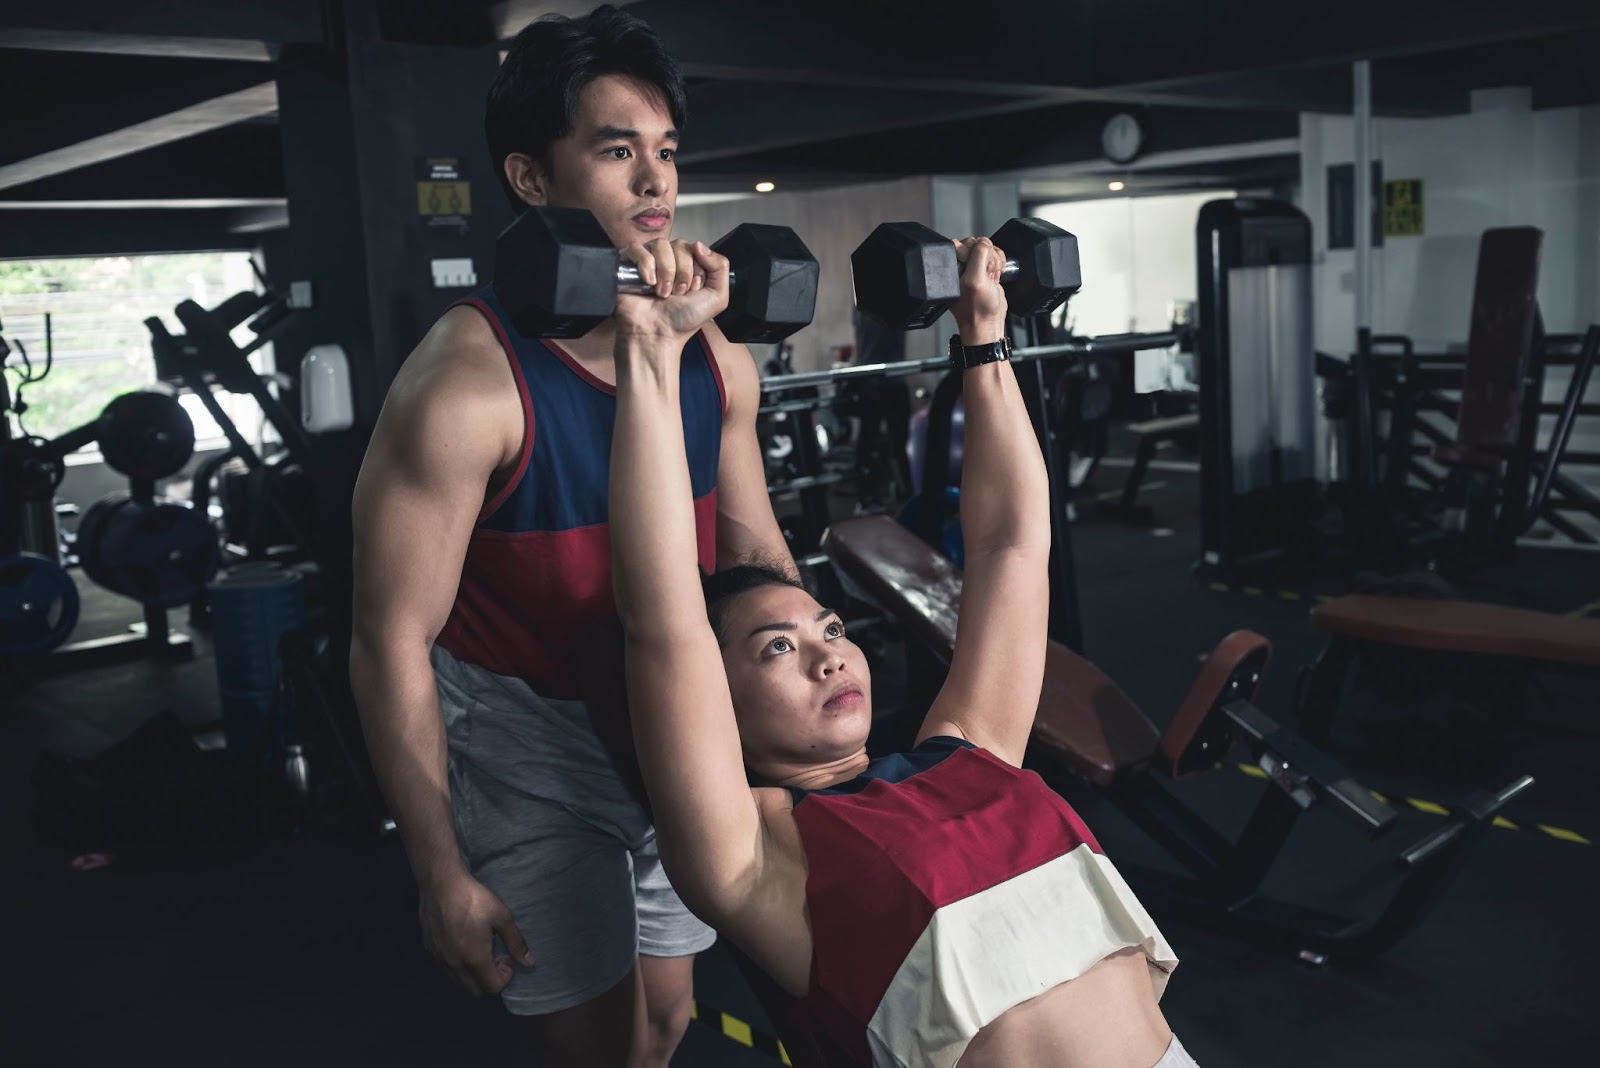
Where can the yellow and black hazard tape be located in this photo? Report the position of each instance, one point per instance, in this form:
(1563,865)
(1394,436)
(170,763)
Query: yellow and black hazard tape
(1282,595)
(1559,833)
(736,1029)
(1432,808)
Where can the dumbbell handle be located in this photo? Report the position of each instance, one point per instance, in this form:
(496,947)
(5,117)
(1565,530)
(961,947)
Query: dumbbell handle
(628,280)
(1009,271)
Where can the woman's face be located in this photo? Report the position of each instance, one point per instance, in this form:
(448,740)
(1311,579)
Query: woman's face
(801,689)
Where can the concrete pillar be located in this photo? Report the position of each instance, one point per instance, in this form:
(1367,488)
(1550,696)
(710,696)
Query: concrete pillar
(366,123)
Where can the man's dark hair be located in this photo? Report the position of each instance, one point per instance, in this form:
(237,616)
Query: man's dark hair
(534,96)
(723,586)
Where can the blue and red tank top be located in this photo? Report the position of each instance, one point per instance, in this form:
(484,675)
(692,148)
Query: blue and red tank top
(944,887)
(537,574)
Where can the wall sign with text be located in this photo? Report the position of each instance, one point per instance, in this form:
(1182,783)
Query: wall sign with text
(1402,208)
(444,197)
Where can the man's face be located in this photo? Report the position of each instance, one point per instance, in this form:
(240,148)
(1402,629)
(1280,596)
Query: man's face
(617,161)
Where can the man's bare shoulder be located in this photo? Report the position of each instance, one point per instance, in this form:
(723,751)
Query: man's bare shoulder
(461,350)
(734,362)
(723,349)
(457,378)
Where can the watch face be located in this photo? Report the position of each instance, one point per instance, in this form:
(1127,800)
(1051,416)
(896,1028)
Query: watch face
(1121,138)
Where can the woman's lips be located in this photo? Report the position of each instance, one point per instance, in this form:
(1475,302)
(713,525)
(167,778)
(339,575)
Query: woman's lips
(843,700)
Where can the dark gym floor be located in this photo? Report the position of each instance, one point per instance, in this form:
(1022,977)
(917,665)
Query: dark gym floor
(234,943)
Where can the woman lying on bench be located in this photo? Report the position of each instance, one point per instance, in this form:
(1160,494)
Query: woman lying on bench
(929,907)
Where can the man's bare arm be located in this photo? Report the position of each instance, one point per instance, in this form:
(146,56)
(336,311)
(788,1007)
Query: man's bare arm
(745,523)
(451,418)
(416,501)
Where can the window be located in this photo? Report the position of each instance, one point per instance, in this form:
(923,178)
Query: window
(1139,265)
(1138,258)
(100,347)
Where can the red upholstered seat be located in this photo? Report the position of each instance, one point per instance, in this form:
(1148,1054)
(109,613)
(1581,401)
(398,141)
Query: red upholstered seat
(1462,627)
(1086,720)
(1083,717)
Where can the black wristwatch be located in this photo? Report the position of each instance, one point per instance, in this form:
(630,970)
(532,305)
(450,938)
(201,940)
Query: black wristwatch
(963,357)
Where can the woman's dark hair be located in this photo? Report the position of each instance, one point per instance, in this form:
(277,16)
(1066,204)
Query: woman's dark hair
(723,586)
(535,94)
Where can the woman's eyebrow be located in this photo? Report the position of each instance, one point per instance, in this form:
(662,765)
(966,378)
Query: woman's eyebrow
(791,625)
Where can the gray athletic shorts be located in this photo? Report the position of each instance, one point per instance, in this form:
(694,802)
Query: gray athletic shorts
(1176,1057)
(543,821)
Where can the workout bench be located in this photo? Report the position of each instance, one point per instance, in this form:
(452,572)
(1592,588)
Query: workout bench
(1362,622)
(1088,727)
(1151,433)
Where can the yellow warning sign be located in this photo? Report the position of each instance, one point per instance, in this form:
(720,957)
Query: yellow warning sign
(444,198)
(1402,208)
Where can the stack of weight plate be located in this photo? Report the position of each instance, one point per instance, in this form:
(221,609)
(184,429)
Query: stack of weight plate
(252,607)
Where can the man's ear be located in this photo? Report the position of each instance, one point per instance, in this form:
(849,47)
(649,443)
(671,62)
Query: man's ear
(527,179)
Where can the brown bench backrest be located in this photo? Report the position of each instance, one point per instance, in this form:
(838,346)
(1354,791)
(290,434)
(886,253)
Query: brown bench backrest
(1504,309)
(1083,717)
(1198,736)
(1087,721)
(898,571)
(1462,627)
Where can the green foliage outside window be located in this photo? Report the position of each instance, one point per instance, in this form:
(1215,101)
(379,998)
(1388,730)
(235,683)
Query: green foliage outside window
(97,309)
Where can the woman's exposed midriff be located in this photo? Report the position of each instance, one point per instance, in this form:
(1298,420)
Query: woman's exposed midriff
(1105,1018)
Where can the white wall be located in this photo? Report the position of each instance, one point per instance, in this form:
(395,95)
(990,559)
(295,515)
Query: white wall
(1138,256)
(1501,165)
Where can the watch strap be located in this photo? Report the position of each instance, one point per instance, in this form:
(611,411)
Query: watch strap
(964,357)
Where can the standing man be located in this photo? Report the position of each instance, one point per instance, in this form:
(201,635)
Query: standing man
(483,568)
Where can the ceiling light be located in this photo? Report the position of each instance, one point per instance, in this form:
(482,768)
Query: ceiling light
(1115,187)
(765,187)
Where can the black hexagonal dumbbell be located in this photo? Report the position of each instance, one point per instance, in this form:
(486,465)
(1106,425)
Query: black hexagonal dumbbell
(907,275)
(558,275)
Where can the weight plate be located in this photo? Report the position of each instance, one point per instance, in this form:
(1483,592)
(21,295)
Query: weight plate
(38,604)
(159,552)
(145,434)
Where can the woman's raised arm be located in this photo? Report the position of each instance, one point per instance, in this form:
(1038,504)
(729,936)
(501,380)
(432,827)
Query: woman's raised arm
(682,714)
(992,691)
